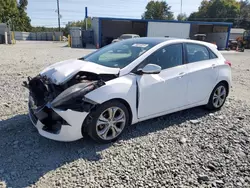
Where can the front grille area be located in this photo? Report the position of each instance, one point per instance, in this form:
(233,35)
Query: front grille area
(50,119)
(42,90)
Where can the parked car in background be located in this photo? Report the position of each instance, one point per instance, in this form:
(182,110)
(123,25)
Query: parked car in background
(126,36)
(125,83)
(64,39)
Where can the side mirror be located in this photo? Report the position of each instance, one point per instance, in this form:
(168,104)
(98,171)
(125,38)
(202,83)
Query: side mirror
(151,69)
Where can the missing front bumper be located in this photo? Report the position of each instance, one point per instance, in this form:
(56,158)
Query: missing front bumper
(65,125)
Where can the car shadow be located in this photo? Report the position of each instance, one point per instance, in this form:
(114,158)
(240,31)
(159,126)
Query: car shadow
(23,150)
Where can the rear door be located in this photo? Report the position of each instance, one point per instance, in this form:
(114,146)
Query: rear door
(159,93)
(202,72)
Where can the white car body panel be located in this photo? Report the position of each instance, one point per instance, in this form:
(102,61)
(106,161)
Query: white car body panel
(148,96)
(162,92)
(201,77)
(61,72)
(68,133)
(224,74)
(121,88)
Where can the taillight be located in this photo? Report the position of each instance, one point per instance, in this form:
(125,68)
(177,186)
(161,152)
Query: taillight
(228,63)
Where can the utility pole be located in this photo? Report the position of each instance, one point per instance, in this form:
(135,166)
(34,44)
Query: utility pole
(86,17)
(58,12)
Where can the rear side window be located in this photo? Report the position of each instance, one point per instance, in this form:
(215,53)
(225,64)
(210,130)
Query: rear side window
(212,55)
(196,52)
(167,57)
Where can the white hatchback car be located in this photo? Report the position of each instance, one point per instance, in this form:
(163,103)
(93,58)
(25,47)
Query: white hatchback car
(125,83)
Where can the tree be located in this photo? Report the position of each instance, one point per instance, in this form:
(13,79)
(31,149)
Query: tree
(158,10)
(244,16)
(23,21)
(23,4)
(182,17)
(8,11)
(224,10)
(15,14)
(217,11)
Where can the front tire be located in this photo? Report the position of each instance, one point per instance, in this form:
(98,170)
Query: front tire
(108,122)
(218,97)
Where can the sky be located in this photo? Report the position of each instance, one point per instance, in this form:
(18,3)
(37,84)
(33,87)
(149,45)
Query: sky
(43,12)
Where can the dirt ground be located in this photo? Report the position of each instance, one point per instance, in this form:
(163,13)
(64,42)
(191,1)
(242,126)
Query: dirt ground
(240,74)
(193,148)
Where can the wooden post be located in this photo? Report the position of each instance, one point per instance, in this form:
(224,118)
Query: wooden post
(13,37)
(69,41)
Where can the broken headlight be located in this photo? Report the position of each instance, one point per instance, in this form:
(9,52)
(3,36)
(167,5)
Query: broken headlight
(73,95)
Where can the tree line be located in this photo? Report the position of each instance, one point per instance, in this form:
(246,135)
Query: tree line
(14,13)
(237,12)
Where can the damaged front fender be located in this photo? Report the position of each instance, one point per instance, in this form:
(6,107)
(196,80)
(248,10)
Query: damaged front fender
(73,97)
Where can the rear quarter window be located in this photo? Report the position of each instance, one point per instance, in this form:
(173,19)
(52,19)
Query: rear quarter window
(212,55)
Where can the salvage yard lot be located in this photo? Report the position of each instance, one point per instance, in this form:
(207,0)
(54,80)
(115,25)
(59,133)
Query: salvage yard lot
(191,148)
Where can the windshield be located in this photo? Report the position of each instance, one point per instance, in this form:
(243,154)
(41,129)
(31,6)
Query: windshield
(120,54)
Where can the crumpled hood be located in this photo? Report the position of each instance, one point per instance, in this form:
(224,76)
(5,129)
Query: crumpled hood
(62,71)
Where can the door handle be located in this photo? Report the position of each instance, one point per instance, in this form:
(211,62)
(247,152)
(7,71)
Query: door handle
(181,74)
(213,66)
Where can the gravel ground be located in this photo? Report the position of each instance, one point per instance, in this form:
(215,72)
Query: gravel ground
(192,148)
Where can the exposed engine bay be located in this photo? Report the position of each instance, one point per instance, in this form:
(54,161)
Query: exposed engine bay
(43,90)
(44,95)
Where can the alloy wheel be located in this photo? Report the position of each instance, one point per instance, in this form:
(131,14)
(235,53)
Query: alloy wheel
(110,123)
(219,97)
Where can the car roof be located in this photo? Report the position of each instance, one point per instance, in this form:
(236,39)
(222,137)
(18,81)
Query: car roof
(153,40)
(159,40)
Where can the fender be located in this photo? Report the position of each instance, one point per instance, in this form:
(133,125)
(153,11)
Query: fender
(225,74)
(120,88)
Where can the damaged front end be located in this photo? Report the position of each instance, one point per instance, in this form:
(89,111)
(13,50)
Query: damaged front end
(46,98)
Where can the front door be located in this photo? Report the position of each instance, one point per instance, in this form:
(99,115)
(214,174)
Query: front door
(166,91)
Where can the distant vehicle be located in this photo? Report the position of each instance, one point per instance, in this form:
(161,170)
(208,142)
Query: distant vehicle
(64,38)
(125,83)
(200,37)
(126,36)
(244,40)
(235,45)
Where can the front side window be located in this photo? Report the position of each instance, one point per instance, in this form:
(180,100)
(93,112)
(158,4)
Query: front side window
(167,57)
(196,52)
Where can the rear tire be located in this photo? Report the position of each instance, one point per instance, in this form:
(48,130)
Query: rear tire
(218,97)
(107,122)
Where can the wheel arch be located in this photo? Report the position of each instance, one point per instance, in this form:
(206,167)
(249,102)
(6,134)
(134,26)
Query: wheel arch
(226,83)
(123,101)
